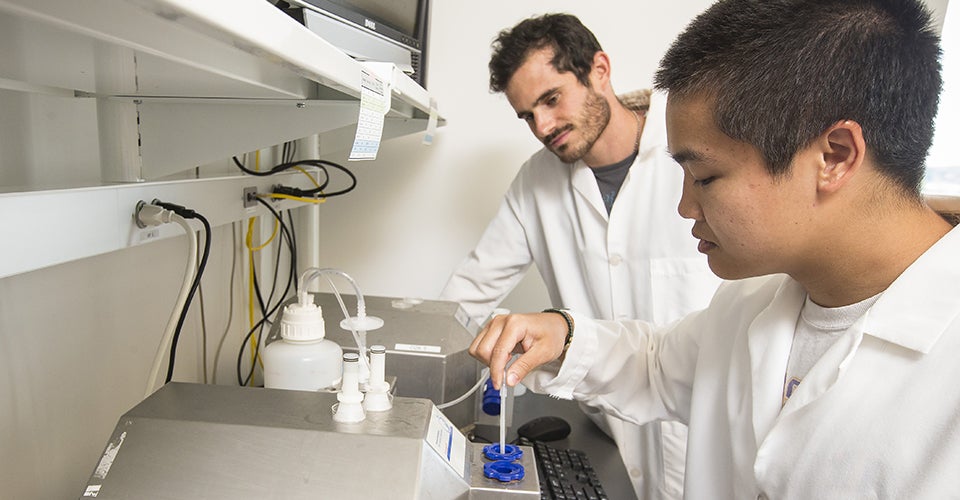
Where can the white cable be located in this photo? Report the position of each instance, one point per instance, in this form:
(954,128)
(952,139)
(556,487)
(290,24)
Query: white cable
(484,374)
(188,277)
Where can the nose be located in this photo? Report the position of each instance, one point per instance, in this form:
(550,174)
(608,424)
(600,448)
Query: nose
(543,124)
(689,207)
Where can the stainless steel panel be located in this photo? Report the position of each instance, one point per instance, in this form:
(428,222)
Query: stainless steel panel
(225,442)
(484,488)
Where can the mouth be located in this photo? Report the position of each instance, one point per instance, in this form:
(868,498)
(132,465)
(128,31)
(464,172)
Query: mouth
(705,246)
(557,138)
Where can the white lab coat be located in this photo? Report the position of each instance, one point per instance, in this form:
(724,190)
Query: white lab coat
(640,262)
(877,416)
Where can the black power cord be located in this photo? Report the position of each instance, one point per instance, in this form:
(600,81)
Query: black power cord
(186,213)
(266,310)
(304,193)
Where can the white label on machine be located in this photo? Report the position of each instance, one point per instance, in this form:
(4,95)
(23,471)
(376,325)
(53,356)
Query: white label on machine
(447,441)
(417,348)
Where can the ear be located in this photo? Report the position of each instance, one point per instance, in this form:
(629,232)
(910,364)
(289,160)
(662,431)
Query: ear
(843,151)
(600,71)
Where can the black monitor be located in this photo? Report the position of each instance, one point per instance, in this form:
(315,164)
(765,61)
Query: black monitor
(371,30)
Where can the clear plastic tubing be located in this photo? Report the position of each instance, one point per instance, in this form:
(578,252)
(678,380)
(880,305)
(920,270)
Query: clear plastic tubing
(503,412)
(313,273)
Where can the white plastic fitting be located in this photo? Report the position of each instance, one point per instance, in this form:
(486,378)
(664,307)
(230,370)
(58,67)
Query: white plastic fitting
(148,215)
(350,406)
(378,390)
(302,321)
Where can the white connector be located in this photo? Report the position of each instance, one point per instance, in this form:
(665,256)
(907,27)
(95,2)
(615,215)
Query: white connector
(148,214)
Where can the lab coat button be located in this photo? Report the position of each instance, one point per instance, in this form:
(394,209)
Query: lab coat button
(761,497)
(615,260)
(635,472)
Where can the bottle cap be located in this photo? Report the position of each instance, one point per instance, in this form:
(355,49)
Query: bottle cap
(491,399)
(302,321)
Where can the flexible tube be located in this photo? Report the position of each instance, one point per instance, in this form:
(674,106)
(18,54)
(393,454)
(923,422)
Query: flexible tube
(181,301)
(484,375)
(313,273)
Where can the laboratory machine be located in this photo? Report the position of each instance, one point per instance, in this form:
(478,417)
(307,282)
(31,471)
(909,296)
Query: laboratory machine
(228,442)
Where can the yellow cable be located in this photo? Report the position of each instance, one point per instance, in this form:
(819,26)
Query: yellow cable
(296,198)
(254,355)
(312,179)
(253,338)
(276,227)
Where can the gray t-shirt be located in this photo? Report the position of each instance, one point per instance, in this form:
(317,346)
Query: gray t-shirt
(610,178)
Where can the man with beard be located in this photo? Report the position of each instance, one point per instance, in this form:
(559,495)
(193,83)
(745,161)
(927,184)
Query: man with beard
(595,210)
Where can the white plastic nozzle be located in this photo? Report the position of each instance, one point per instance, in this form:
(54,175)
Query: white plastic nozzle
(350,407)
(303,321)
(378,396)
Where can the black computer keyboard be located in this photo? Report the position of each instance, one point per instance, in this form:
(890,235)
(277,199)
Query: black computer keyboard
(565,474)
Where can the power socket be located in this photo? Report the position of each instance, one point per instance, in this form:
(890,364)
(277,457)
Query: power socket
(249,197)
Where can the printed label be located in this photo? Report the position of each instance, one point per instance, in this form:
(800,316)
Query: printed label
(435,349)
(447,441)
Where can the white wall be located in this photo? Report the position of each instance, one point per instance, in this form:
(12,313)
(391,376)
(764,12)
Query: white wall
(945,152)
(418,210)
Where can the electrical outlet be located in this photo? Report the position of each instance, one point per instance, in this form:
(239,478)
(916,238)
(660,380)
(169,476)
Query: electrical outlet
(249,197)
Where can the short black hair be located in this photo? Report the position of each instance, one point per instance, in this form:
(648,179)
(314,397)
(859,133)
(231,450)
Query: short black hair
(573,47)
(783,71)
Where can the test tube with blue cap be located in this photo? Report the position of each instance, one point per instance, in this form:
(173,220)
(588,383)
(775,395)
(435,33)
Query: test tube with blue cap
(504,456)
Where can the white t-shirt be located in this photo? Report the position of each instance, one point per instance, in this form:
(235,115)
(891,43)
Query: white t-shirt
(818,328)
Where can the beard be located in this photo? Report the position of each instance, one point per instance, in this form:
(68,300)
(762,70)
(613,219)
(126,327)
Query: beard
(591,122)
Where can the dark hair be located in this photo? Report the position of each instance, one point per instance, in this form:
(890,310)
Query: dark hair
(783,71)
(573,47)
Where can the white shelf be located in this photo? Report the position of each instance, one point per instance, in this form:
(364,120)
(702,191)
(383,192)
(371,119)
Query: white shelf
(205,79)
(46,228)
(166,85)
(181,48)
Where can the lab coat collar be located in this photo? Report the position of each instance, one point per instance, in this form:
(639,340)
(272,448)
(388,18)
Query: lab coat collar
(769,339)
(652,139)
(937,273)
(585,183)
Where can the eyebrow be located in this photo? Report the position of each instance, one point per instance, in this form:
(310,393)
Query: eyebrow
(686,156)
(523,114)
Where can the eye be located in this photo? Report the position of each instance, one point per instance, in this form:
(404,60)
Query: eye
(552,100)
(705,181)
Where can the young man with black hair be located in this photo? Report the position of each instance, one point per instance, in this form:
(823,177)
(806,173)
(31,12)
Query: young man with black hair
(824,371)
(594,210)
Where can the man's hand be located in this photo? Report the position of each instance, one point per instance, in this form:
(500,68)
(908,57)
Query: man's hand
(538,338)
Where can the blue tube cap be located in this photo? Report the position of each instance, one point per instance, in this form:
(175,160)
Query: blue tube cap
(509,453)
(491,399)
(503,471)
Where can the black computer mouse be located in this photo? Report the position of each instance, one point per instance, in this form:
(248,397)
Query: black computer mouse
(548,428)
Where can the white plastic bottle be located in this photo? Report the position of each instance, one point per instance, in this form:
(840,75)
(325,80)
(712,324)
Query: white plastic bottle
(302,359)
